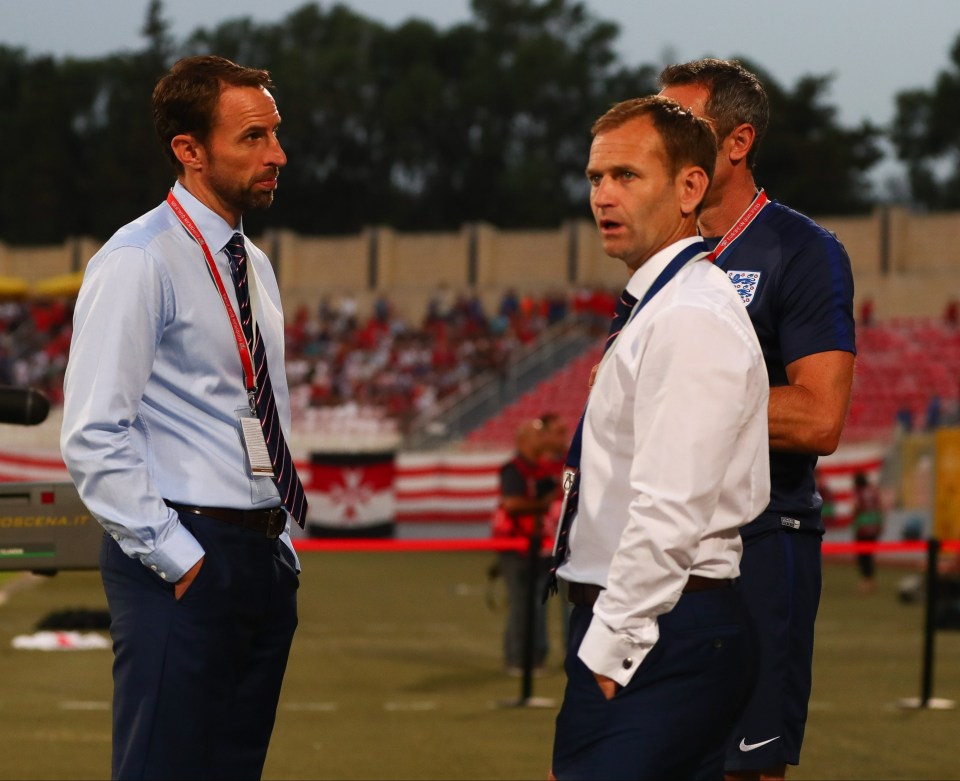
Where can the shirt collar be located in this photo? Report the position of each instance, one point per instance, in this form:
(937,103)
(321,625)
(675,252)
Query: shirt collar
(644,276)
(215,230)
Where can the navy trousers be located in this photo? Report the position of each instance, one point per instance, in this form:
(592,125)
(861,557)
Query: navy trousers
(671,720)
(196,681)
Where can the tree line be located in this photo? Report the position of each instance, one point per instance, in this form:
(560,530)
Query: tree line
(414,126)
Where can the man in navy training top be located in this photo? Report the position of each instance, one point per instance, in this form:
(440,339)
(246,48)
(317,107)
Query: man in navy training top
(795,279)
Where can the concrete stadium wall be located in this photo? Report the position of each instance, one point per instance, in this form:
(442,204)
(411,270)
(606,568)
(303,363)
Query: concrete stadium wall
(907,264)
(313,268)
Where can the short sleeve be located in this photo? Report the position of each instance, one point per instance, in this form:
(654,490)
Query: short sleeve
(816,300)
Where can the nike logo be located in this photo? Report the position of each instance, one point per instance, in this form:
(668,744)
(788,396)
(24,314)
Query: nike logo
(744,746)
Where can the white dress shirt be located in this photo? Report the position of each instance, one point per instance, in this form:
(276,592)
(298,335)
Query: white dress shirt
(675,457)
(154,384)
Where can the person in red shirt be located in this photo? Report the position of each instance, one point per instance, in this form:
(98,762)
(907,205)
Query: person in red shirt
(526,496)
(867,525)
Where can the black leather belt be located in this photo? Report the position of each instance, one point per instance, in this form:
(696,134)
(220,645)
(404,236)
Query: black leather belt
(587,593)
(271,522)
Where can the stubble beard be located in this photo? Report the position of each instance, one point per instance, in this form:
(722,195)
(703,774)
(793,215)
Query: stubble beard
(242,197)
(247,198)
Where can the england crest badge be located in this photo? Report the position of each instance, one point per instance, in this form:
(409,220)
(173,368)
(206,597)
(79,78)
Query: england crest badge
(746,284)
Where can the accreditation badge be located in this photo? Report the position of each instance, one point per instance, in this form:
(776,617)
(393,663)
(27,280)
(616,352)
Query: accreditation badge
(258,457)
(568,475)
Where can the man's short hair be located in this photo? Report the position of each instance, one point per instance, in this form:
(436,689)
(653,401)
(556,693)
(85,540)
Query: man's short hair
(736,96)
(687,139)
(185,100)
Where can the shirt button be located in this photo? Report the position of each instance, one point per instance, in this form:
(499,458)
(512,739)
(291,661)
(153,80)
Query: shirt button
(153,567)
(163,575)
(116,536)
(627,663)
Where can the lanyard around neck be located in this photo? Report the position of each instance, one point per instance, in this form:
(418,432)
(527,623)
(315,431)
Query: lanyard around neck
(756,206)
(250,380)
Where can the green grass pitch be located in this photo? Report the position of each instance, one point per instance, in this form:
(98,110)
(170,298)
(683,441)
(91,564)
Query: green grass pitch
(396,674)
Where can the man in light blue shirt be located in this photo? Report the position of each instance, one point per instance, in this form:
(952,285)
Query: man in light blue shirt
(168,371)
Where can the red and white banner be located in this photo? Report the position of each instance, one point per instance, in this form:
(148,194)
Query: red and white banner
(448,487)
(437,487)
(351,491)
(415,488)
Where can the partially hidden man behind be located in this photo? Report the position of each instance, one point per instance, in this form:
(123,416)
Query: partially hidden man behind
(175,395)
(794,278)
(673,462)
(528,490)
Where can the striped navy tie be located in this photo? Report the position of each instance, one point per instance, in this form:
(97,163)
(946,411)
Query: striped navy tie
(284,472)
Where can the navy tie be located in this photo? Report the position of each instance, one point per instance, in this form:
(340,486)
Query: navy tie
(284,472)
(621,315)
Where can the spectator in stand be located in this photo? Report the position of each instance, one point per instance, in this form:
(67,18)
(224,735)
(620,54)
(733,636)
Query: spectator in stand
(556,307)
(441,304)
(526,497)
(476,318)
(951,315)
(509,304)
(867,525)
(347,311)
(382,310)
(904,420)
(866,313)
(933,413)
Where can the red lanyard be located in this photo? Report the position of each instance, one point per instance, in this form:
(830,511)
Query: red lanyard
(740,225)
(250,380)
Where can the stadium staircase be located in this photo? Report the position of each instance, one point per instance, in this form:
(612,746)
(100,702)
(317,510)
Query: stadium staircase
(563,393)
(540,372)
(905,368)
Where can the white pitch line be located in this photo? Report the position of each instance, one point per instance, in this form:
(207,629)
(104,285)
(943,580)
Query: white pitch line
(316,707)
(409,706)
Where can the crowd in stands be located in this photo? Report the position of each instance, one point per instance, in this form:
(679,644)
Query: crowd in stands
(376,365)
(338,358)
(34,343)
(379,369)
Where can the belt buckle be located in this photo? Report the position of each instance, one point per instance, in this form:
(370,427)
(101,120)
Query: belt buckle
(276,522)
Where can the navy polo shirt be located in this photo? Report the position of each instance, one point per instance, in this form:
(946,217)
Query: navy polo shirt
(795,279)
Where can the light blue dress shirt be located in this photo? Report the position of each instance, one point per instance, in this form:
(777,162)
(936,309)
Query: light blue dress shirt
(154,385)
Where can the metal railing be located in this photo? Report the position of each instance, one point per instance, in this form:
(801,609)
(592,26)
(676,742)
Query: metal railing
(486,395)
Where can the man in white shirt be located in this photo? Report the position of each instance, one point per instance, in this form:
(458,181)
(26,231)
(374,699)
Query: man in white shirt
(673,462)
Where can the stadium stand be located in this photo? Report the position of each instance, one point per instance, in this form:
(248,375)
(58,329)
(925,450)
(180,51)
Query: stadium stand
(564,393)
(360,373)
(34,342)
(907,375)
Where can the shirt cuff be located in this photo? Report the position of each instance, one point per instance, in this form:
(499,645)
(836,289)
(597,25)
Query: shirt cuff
(175,555)
(613,655)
